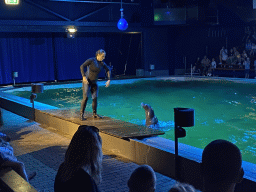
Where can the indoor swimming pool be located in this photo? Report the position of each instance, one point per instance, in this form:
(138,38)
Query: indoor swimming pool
(223,109)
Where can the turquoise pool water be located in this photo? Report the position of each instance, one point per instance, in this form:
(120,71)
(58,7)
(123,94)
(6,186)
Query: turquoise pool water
(223,109)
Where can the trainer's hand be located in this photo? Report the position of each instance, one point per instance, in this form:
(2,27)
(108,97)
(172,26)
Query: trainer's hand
(85,80)
(107,83)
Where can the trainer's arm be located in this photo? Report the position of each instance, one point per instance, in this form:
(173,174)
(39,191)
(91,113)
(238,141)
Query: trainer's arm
(85,64)
(109,75)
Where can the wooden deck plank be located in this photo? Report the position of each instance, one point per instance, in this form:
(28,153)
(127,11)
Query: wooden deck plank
(106,125)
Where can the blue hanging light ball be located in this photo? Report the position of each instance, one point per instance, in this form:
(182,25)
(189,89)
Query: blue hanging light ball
(122,24)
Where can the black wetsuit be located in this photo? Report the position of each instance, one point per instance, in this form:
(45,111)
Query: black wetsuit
(93,69)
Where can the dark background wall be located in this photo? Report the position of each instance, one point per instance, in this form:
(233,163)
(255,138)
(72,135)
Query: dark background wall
(33,38)
(52,56)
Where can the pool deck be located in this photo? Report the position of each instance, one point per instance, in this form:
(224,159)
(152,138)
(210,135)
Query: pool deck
(107,125)
(42,149)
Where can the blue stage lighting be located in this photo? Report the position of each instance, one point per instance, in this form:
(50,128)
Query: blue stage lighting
(122,24)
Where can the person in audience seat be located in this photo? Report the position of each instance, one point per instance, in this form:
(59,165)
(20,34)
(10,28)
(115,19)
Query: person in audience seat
(8,159)
(212,68)
(143,179)
(223,55)
(81,169)
(247,64)
(221,166)
(205,65)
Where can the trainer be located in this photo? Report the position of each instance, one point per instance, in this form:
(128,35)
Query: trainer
(94,66)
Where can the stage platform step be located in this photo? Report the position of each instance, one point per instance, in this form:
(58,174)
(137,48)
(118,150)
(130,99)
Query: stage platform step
(107,125)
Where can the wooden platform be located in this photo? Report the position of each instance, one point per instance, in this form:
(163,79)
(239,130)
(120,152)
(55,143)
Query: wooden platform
(107,125)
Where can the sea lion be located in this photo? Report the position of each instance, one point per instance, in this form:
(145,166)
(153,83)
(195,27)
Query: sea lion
(151,119)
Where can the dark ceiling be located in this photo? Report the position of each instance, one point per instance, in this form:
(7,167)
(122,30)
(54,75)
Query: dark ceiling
(102,15)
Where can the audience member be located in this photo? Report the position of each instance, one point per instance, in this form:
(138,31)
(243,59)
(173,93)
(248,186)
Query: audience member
(205,65)
(247,67)
(244,55)
(143,179)
(223,55)
(221,166)
(237,55)
(182,187)
(197,66)
(7,159)
(81,169)
(253,49)
(212,68)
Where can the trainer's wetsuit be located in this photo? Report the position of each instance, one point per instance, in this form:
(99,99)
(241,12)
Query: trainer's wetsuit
(93,69)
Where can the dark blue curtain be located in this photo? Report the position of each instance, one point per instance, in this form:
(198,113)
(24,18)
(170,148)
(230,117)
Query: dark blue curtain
(71,53)
(5,62)
(124,49)
(47,57)
(29,54)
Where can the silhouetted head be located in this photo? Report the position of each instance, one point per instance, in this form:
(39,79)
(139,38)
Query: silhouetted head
(221,164)
(143,179)
(85,151)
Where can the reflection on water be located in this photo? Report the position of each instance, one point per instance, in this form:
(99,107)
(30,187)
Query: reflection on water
(223,110)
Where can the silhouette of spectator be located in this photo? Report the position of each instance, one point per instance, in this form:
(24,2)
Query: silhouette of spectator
(253,49)
(237,55)
(223,55)
(244,55)
(143,179)
(247,64)
(205,65)
(182,187)
(197,66)
(81,169)
(7,159)
(221,166)
(212,67)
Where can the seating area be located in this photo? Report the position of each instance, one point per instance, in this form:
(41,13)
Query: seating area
(232,72)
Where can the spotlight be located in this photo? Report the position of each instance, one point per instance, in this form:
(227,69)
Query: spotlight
(122,23)
(71,31)
(12,2)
